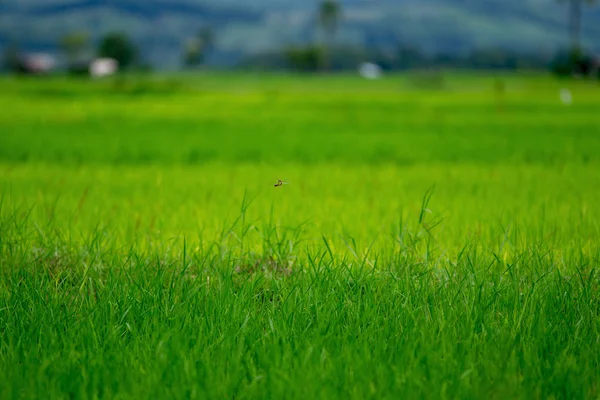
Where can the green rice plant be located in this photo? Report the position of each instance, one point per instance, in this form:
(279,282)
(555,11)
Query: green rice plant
(427,246)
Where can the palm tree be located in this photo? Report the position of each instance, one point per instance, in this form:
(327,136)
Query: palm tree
(575,11)
(329,15)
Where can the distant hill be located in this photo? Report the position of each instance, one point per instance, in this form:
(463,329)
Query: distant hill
(244,28)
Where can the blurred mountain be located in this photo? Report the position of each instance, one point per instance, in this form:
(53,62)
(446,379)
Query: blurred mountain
(242,28)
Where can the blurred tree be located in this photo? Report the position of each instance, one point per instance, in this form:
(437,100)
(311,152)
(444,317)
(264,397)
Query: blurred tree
(575,11)
(197,47)
(76,45)
(410,57)
(193,54)
(304,58)
(329,15)
(118,46)
(206,35)
(11,58)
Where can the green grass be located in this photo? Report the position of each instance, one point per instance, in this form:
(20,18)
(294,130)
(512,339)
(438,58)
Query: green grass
(436,240)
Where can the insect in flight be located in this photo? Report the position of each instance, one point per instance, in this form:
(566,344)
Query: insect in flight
(280,183)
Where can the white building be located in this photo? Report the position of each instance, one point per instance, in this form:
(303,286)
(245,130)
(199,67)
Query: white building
(102,67)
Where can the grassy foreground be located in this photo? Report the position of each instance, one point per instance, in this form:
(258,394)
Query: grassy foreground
(434,242)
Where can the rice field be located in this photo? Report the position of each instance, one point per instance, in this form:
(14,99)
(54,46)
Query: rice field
(439,237)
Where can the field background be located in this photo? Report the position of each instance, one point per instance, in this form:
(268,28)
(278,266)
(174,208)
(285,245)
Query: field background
(438,238)
(243,31)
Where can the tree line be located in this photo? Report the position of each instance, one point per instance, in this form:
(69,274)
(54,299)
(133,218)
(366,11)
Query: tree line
(325,54)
